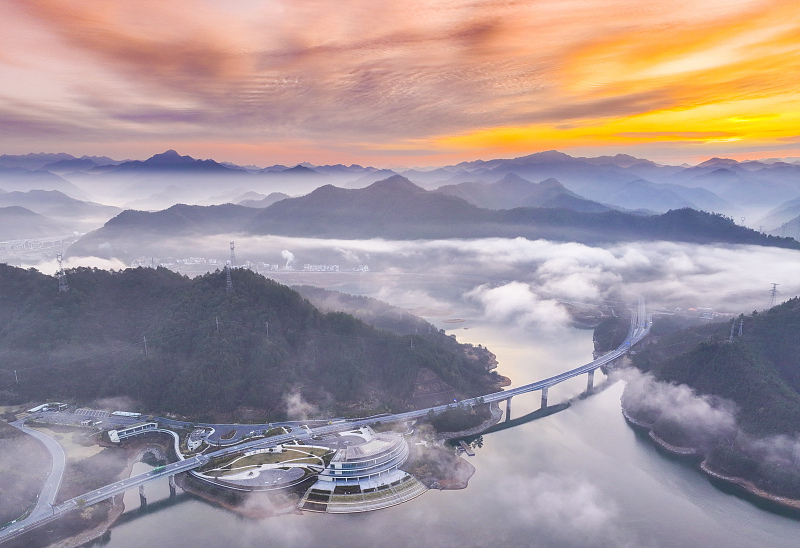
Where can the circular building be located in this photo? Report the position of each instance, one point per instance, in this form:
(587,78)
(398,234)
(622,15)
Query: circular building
(363,475)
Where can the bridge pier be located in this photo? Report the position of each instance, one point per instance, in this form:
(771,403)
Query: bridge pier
(544,397)
(142,498)
(590,382)
(173,489)
(508,409)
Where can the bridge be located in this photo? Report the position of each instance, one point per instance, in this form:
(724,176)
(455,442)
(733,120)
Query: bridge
(639,328)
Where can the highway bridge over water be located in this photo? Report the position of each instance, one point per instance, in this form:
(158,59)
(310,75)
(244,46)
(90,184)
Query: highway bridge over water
(640,326)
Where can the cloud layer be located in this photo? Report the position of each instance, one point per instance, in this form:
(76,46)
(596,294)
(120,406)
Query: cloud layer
(358,79)
(517,281)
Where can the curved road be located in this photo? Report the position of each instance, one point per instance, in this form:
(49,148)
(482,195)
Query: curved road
(640,326)
(47,497)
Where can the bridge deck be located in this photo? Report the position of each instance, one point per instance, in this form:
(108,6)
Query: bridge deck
(640,326)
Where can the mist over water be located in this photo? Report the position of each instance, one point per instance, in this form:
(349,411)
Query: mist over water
(732,278)
(580,478)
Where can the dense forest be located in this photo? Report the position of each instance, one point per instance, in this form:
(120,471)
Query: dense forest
(759,371)
(186,346)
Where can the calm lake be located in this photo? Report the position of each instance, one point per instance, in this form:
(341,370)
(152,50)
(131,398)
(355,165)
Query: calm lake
(579,478)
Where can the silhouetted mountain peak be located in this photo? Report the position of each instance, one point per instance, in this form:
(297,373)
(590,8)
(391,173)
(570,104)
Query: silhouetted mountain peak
(547,156)
(718,161)
(168,158)
(552,183)
(513,178)
(395,183)
(723,172)
(299,169)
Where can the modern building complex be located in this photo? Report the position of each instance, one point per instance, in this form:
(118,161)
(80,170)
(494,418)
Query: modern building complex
(118,435)
(363,475)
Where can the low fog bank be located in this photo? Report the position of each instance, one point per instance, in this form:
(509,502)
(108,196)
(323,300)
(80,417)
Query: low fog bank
(516,280)
(704,421)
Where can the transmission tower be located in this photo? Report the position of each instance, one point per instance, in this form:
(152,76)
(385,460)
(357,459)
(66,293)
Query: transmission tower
(741,325)
(773,295)
(229,283)
(233,256)
(62,277)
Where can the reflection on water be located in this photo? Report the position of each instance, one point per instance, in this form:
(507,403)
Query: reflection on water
(578,478)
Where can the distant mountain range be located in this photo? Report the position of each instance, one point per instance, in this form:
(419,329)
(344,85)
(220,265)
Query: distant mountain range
(21,179)
(513,191)
(40,213)
(254,199)
(753,190)
(18,223)
(398,209)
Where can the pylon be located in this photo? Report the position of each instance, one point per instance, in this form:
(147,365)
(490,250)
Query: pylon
(773,295)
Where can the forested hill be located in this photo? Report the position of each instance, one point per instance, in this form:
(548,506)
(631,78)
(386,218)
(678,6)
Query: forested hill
(396,208)
(209,353)
(759,371)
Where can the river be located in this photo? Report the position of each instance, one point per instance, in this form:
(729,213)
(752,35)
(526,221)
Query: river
(579,478)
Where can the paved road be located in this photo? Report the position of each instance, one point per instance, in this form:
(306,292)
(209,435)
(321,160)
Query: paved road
(47,497)
(640,326)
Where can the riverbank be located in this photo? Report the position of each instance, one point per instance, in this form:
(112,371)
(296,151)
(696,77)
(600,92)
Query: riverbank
(496,415)
(135,451)
(740,487)
(749,491)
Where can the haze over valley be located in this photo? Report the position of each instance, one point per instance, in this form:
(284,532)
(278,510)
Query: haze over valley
(400,274)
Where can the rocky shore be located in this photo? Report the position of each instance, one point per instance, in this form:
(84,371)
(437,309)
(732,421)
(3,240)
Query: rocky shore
(741,487)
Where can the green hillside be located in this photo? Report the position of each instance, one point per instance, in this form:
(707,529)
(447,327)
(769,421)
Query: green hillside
(208,351)
(759,371)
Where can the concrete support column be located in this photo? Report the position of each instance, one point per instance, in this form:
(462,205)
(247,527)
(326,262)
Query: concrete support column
(173,489)
(590,382)
(544,397)
(508,409)
(142,498)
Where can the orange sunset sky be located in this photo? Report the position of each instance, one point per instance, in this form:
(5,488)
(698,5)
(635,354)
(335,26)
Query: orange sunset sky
(386,82)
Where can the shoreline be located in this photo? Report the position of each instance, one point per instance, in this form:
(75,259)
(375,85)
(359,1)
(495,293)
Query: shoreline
(497,414)
(748,490)
(740,487)
(117,508)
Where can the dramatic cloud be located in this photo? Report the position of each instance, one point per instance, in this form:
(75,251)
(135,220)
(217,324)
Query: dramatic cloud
(360,79)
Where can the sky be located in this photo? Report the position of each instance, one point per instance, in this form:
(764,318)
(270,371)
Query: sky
(392,83)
